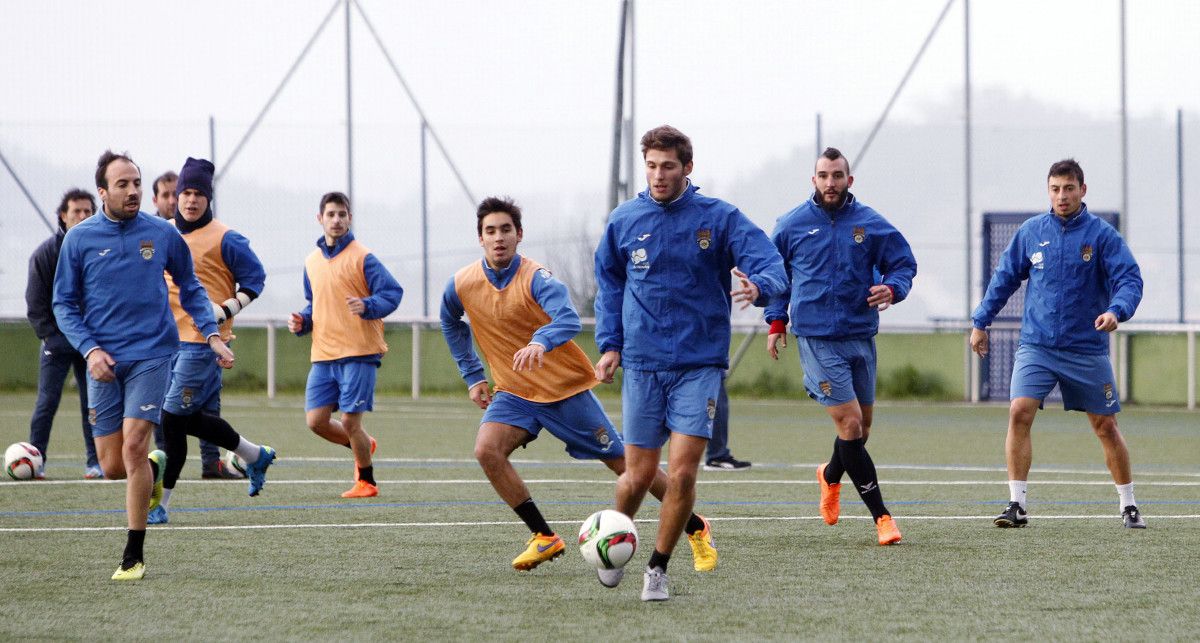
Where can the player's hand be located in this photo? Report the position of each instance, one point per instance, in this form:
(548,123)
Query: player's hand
(773,345)
(979,342)
(1106,322)
(529,358)
(481,394)
(224,354)
(607,366)
(295,323)
(356,305)
(100,365)
(880,296)
(746,291)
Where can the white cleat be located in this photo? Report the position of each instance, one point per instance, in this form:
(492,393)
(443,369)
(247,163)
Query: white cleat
(654,585)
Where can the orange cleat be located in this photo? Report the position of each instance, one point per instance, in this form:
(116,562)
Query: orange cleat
(362,489)
(831,497)
(374,444)
(889,533)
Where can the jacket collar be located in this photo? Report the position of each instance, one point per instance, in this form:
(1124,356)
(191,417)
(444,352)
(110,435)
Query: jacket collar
(185,226)
(683,199)
(330,253)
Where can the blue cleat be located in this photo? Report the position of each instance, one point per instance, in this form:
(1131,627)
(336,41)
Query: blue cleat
(157,516)
(257,472)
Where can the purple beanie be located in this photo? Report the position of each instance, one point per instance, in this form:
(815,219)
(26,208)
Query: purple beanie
(196,174)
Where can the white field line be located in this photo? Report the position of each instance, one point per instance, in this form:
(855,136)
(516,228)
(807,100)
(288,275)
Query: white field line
(612,481)
(385,525)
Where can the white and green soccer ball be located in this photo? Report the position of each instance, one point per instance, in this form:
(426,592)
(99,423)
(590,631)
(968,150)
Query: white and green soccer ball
(608,539)
(22,460)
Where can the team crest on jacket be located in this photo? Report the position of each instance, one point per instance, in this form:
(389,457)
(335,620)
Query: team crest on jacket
(1086,252)
(639,259)
(712,408)
(860,235)
(147,249)
(603,438)
(704,238)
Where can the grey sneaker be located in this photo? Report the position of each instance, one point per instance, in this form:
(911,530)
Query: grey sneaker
(610,577)
(654,585)
(1133,518)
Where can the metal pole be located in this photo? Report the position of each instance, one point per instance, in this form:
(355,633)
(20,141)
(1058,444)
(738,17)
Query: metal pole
(618,110)
(349,116)
(820,146)
(1179,205)
(271,360)
(1123,222)
(630,180)
(1191,370)
(212,140)
(972,364)
(416,361)
(424,225)
(28,196)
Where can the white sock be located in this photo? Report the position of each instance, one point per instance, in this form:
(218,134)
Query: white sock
(1016,492)
(166,497)
(1125,491)
(247,451)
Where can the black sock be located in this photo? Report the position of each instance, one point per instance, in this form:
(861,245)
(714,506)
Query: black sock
(834,470)
(861,468)
(133,548)
(367,474)
(176,438)
(659,560)
(694,524)
(216,430)
(533,519)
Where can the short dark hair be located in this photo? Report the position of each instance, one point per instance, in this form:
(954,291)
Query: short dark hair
(1066,167)
(335,197)
(665,137)
(102,166)
(494,204)
(75,194)
(833,154)
(167,177)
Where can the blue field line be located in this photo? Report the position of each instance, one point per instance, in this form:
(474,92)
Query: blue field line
(588,503)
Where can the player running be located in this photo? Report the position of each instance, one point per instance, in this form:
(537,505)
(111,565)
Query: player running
(523,321)
(349,292)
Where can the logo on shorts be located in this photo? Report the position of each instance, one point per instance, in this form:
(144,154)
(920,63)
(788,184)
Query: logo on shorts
(186,397)
(603,438)
(1108,391)
(92,417)
(712,408)
(1086,252)
(147,249)
(148,407)
(860,235)
(826,388)
(704,238)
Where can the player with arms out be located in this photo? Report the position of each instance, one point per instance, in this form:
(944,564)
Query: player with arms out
(1082,282)
(111,302)
(663,272)
(349,292)
(523,320)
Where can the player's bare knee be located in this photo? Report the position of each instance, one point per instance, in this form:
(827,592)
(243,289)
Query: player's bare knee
(1105,427)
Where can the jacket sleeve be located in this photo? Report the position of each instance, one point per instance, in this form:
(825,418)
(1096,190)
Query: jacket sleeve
(1010,272)
(610,293)
(68,298)
(192,296)
(1124,277)
(754,254)
(248,271)
(39,293)
(777,305)
(897,264)
(458,337)
(385,290)
(306,313)
(552,295)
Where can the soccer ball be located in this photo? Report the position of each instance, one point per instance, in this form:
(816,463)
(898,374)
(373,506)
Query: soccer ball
(232,461)
(608,539)
(22,460)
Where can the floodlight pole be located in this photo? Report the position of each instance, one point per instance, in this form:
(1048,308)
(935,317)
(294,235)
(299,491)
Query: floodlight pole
(1123,221)
(212,140)
(28,196)
(614,182)
(1179,205)
(424,223)
(972,364)
(349,115)
(819,147)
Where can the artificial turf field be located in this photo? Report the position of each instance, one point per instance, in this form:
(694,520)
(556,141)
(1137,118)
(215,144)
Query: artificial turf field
(429,558)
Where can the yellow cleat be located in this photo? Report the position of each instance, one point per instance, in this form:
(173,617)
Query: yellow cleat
(539,550)
(137,572)
(156,491)
(704,552)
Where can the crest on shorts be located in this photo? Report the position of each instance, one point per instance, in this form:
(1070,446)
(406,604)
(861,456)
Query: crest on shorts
(826,388)
(704,238)
(186,396)
(1108,391)
(147,249)
(712,408)
(603,438)
(92,416)
(860,235)
(1086,252)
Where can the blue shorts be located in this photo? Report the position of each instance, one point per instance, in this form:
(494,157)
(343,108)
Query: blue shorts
(658,403)
(136,392)
(195,381)
(348,386)
(579,421)
(837,371)
(1086,381)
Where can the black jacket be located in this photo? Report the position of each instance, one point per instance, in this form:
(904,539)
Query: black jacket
(39,292)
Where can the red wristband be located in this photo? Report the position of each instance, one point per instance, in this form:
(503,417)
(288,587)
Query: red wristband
(778,327)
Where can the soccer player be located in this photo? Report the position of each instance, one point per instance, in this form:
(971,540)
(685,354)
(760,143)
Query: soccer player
(524,322)
(58,356)
(232,277)
(835,249)
(111,302)
(163,195)
(349,292)
(663,272)
(1082,282)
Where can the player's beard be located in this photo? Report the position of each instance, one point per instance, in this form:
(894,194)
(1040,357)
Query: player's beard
(837,203)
